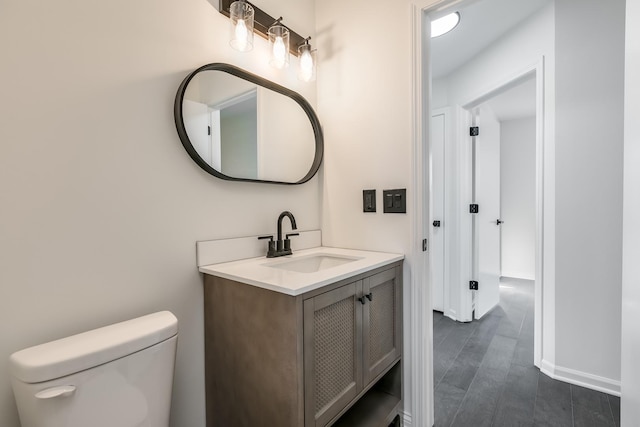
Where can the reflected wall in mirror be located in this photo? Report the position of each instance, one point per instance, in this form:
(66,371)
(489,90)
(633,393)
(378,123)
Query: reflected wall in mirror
(238,126)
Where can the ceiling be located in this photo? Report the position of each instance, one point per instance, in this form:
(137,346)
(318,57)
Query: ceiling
(482,22)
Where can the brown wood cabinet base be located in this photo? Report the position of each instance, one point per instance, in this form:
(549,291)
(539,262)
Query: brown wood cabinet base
(271,358)
(379,405)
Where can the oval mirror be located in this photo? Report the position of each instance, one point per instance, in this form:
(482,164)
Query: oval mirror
(241,127)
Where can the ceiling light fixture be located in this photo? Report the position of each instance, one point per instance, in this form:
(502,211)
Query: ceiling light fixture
(445,24)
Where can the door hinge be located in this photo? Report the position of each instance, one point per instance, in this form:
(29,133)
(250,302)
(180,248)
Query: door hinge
(473,208)
(425,245)
(473,285)
(474,131)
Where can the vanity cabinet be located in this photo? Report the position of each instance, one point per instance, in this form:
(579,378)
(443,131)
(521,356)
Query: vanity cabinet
(331,356)
(351,335)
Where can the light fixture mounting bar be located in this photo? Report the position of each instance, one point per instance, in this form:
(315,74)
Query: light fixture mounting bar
(262,22)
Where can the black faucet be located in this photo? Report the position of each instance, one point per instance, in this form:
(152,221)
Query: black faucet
(281,246)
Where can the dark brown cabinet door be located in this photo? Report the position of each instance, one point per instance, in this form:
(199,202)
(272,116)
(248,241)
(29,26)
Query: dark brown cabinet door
(332,352)
(381,323)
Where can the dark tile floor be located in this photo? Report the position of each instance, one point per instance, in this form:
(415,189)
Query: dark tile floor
(484,373)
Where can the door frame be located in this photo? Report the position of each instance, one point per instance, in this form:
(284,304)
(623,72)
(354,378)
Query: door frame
(537,70)
(421,349)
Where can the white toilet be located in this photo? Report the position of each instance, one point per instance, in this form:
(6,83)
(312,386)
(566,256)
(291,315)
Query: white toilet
(117,376)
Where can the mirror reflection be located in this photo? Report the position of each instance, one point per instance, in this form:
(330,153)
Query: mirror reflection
(248,131)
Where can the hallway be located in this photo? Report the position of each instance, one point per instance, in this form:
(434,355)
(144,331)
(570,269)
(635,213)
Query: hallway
(484,373)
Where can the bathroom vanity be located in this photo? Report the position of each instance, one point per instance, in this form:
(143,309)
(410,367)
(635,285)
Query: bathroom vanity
(310,339)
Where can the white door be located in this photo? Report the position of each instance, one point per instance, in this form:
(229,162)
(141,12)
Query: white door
(486,245)
(196,122)
(436,168)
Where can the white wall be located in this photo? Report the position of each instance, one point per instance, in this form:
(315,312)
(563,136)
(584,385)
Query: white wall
(518,197)
(631,226)
(520,48)
(439,92)
(367,119)
(101,205)
(279,159)
(589,160)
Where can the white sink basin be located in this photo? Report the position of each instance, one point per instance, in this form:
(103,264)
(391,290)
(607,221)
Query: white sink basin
(304,271)
(312,263)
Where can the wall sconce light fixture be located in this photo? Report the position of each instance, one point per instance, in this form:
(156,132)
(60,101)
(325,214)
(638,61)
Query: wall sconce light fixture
(241,15)
(307,70)
(283,42)
(279,45)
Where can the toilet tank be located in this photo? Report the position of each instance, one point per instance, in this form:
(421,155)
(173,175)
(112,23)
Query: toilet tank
(116,376)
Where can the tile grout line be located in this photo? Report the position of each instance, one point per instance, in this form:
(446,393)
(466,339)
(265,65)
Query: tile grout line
(495,409)
(466,392)
(613,418)
(526,313)
(511,364)
(535,401)
(573,420)
(446,335)
(455,358)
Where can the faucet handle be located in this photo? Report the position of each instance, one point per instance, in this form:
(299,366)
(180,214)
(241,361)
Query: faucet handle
(271,252)
(287,242)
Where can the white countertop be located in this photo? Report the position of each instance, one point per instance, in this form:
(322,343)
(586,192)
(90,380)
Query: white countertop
(259,271)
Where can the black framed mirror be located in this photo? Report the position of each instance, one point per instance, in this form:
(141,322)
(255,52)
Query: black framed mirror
(241,127)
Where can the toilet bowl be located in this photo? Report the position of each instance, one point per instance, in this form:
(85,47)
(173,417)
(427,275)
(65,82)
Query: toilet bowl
(116,376)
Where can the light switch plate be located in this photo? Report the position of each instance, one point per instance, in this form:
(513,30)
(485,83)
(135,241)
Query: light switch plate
(368,200)
(395,201)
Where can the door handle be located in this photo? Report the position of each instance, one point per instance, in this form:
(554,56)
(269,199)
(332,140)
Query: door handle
(498,221)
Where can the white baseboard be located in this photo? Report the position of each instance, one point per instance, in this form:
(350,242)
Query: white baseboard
(517,276)
(406,419)
(451,314)
(582,379)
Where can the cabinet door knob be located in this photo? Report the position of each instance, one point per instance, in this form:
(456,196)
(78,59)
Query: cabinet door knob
(369,296)
(362,300)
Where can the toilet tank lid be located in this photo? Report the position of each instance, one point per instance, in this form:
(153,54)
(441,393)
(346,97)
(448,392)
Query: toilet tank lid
(76,353)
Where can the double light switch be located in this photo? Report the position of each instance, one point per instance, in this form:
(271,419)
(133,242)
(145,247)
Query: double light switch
(394,201)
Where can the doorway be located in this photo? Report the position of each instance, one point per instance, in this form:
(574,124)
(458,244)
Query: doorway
(495,351)
(471,248)
(495,74)
(503,148)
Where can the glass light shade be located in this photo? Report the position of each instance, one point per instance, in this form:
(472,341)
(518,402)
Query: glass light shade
(445,24)
(307,67)
(279,45)
(241,15)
